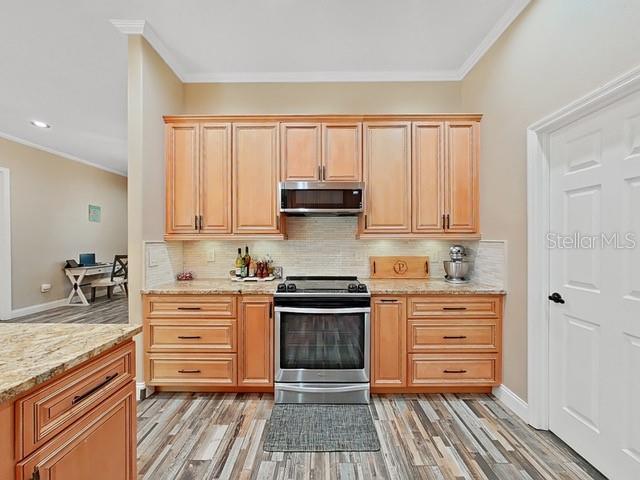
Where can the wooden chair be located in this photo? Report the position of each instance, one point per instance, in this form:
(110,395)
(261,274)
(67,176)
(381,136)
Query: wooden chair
(119,278)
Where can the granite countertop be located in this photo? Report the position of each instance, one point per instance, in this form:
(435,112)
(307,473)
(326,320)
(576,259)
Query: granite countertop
(376,287)
(31,354)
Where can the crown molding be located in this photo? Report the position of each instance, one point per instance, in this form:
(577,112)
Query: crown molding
(143,28)
(487,42)
(309,77)
(58,153)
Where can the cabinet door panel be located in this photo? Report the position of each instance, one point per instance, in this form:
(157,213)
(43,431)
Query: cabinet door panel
(100,446)
(387,164)
(182,177)
(428,177)
(215,178)
(462,176)
(256,355)
(389,347)
(255,158)
(342,152)
(300,154)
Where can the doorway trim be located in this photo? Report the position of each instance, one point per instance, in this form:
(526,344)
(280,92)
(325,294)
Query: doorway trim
(5,244)
(538,216)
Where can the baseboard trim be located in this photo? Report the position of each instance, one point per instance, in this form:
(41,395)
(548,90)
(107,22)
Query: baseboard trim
(512,401)
(142,392)
(42,307)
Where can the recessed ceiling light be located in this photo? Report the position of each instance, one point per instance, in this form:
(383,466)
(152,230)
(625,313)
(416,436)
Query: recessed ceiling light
(39,124)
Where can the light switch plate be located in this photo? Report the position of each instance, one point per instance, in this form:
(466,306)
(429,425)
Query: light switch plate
(152,258)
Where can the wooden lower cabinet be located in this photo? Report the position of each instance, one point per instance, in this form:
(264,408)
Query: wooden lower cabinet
(436,343)
(388,342)
(256,341)
(209,342)
(79,425)
(101,446)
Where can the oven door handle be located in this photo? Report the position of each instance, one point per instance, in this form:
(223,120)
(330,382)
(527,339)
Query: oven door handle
(305,389)
(322,310)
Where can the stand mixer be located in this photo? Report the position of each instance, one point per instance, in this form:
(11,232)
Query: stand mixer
(457,269)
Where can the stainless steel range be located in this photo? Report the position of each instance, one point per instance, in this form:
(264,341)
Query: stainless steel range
(322,340)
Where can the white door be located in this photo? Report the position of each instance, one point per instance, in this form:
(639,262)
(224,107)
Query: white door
(594,357)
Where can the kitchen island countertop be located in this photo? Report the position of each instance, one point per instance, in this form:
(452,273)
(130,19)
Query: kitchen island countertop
(31,354)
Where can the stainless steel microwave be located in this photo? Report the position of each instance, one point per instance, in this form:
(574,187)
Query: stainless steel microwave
(321,198)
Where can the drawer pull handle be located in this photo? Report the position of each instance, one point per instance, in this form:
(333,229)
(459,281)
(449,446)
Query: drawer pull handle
(189,308)
(455,371)
(454,308)
(107,379)
(454,337)
(388,300)
(188,371)
(189,337)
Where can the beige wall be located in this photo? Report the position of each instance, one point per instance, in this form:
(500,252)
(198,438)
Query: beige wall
(49,219)
(153,91)
(555,52)
(327,98)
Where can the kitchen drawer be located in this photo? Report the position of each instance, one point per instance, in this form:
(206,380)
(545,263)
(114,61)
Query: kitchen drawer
(203,336)
(54,407)
(452,369)
(190,306)
(193,369)
(458,306)
(429,335)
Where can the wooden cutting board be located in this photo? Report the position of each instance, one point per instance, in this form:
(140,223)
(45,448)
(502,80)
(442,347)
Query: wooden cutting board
(399,267)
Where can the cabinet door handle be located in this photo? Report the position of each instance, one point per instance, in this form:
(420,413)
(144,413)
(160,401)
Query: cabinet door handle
(324,173)
(443,221)
(448,221)
(426,267)
(190,308)
(189,337)
(319,172)
(454,371)
(200,223)
(365,222)
(107,379)
(188,371)
(389,300)
(454,308)
(270,310)
(195,221)
(452,337)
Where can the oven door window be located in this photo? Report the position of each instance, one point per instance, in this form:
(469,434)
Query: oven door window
(322,341)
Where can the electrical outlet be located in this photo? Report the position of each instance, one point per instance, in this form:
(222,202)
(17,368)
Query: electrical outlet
(211,255)
(45,287)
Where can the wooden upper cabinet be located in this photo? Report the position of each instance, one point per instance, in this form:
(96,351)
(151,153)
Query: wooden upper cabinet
(342,152)
(255,164)
(428,177)
(389,345)
(215,178)
(461,202)
(181,150)
(300,158)
(387,175)
(256,340)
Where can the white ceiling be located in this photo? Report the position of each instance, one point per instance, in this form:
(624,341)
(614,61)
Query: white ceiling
(63,62)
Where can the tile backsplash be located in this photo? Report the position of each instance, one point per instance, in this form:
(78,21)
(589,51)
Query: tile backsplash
(315,246)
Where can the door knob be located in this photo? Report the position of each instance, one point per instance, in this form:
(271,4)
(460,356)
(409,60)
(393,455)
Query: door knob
(555,297)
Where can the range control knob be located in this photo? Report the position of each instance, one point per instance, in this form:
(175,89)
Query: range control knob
(362,288)
(352,287)
(282,287)
(291,287)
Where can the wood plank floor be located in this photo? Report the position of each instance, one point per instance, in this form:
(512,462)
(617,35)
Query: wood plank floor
(209,436)
(102,311)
